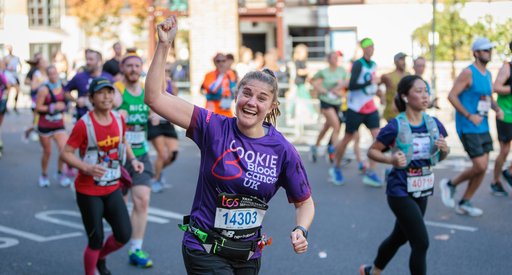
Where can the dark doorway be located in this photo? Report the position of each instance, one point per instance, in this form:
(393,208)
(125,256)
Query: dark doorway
(255,41)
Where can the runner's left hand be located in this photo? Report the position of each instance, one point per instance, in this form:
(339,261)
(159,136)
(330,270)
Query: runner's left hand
(299,242)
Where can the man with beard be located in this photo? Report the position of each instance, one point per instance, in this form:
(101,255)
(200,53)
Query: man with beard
(471,95)
(81,81)
(136,113)
(390,80)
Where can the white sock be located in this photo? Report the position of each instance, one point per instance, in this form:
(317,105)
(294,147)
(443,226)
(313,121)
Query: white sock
(136,244)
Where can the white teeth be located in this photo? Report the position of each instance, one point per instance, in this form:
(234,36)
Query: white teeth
(249,112)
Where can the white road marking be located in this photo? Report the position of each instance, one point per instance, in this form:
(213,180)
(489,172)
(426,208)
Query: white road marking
(35,237)
(452,226)
(47,216)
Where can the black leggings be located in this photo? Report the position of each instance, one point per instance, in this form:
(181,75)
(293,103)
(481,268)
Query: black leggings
(113,209)
(409,226)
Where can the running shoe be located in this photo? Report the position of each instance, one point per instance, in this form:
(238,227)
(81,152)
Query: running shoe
(447,193)
(44,181)
(371,179)
(313,153)
(365,270)
(140,258)
(101,266)
(467,208)
(506,174)
(498,190)
(330,153)
(156,186)
(336,176)
(64,180)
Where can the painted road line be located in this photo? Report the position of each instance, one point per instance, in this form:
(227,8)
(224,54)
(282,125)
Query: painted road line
(165,213)
(452,226)
(35,237)
(47,217)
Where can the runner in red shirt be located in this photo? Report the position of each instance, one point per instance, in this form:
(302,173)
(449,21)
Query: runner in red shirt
(100,140)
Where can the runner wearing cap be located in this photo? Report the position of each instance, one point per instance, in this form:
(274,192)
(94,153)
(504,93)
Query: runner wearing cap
(471,95)
(362,89)
(502,86)
(390,80)
(100,138)
(136,113)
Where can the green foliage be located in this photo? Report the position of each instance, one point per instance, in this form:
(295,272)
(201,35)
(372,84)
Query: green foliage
(456,34)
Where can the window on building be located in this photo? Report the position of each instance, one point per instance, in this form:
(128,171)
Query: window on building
(47,49)
(316,39)
(44,13)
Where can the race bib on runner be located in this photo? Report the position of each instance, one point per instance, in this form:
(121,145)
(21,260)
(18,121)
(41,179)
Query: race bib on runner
(54,117)
(112,174)
(420,182)
(239,216)
(484,105)
(135,134)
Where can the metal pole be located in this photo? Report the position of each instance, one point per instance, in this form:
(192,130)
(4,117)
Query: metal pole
(433,47)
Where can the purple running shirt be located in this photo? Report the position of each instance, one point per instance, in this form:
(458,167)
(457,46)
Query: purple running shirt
(236,164)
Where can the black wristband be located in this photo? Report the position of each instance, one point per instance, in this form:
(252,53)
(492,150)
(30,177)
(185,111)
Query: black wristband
(304,230)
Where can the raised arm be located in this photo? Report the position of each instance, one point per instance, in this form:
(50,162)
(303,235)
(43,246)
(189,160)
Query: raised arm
(172,108)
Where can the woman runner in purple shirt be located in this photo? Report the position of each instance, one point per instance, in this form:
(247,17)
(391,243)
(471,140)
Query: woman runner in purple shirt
(244,161)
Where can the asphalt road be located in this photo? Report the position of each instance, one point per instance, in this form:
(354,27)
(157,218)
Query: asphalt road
(41,231)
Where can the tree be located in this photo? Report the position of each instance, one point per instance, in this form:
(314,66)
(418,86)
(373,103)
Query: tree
(499,33)
(99,18)
(454,34)
(139,9)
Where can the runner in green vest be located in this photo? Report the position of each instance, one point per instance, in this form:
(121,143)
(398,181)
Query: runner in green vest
(136,114)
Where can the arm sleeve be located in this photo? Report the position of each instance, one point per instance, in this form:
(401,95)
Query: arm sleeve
(354,75)
(442,130)
(294,178)
(387,135)
(78,135)
(71,85)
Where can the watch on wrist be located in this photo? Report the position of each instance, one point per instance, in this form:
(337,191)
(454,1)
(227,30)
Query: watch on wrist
(304,230)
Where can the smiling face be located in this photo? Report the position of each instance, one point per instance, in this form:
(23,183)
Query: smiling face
(254,101)
(132,69)
(103,100)
(418,98)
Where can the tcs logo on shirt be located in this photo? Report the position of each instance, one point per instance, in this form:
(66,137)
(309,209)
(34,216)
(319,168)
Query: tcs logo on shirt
(229,203)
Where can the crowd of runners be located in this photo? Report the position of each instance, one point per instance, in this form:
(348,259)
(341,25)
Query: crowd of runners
(117,117)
